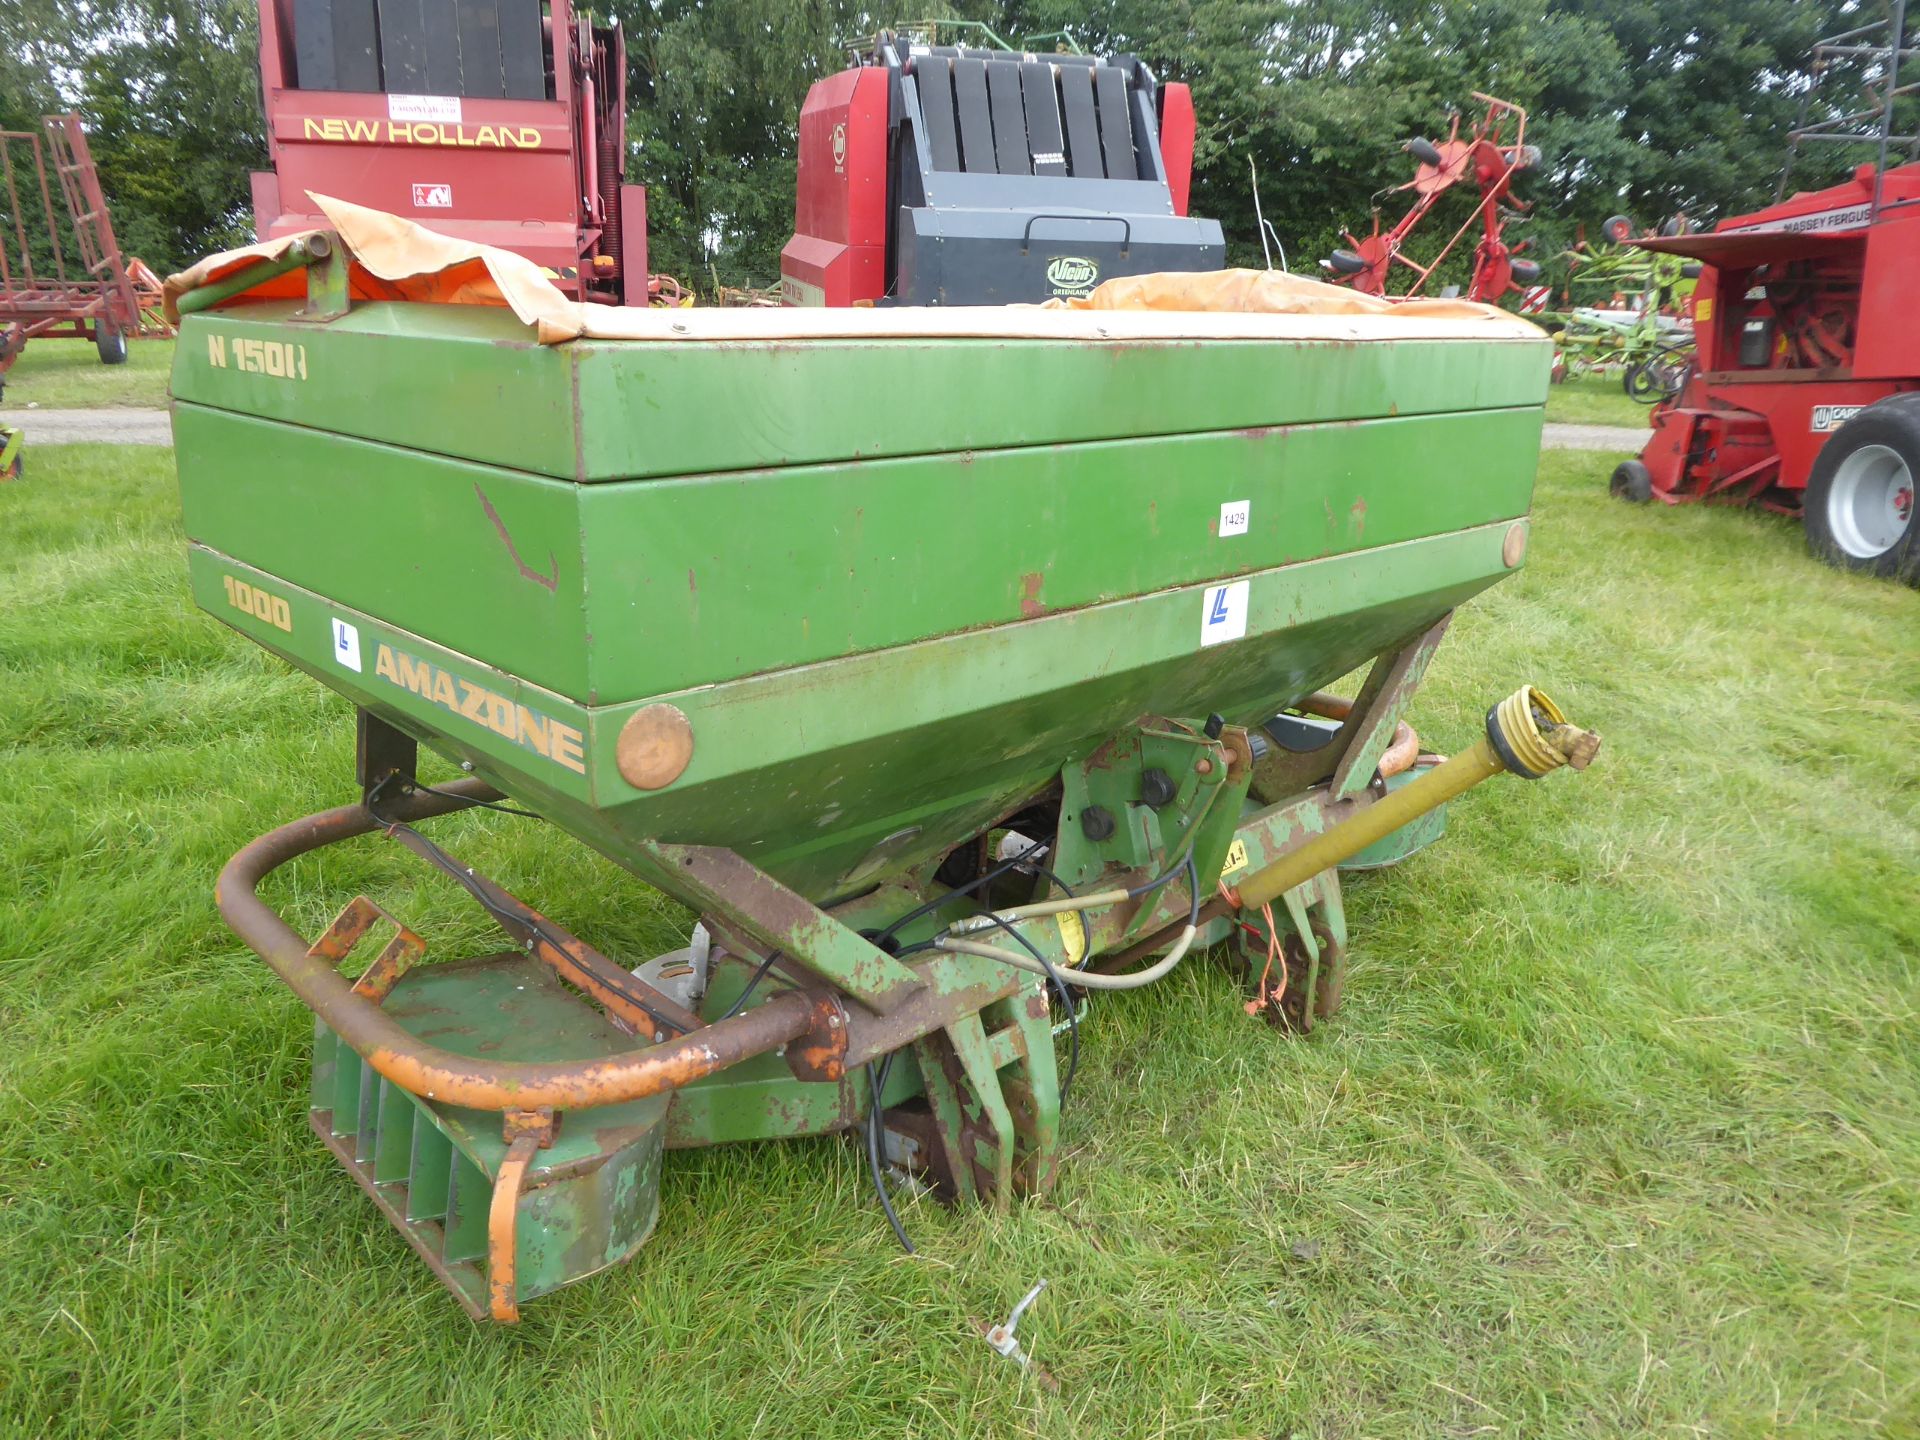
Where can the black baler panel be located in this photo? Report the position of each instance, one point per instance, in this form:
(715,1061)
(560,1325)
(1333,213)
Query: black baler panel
(1083,129)
(523,57)
(1116,126)
(335,46)
(935,75)
(480,74)
(403,47)
(1009,119)
(440,27)
(976,125)
(1043,118)
(313,63)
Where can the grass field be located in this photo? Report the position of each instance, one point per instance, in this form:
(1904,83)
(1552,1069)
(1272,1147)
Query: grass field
(67,374)
(1617,1135)
(1595,400)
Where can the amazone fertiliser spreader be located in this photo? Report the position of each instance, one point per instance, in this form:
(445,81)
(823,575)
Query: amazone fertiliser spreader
(950,665)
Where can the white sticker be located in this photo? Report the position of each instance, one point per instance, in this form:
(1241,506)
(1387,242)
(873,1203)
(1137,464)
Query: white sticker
(346,644)
(433,197)
(445,108)
(1225,615)
(1235,516)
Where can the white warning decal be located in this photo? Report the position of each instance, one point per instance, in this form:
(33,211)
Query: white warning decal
(346,644)
(1224,613)
(444,108)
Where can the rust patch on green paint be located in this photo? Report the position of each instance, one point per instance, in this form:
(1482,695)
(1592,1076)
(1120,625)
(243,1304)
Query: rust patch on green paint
(1030,602)
(550,581)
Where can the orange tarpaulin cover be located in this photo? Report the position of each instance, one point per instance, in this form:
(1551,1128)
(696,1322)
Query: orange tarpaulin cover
(397,259)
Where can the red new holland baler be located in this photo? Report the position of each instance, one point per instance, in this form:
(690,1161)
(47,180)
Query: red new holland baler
(499,121)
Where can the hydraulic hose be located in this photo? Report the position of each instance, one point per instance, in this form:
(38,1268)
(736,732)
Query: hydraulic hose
(1079,979)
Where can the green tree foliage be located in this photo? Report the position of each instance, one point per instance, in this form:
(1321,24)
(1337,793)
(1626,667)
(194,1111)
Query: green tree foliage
(169,92)
(714,94)
(1638,106)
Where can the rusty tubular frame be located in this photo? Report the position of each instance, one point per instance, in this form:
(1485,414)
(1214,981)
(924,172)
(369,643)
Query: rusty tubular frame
(436,1074)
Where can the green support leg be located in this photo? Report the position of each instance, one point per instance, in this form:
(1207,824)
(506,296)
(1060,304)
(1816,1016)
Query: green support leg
(1032,1087)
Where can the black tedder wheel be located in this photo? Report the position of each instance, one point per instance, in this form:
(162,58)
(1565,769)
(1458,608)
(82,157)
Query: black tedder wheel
(111,343)
(1641,385)
(1425,151)
(1860,512)
(1525,272)
(1618,229)
(1345,262)
(1631,481)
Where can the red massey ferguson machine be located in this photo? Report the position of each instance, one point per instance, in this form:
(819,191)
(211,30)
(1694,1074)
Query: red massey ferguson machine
(1803,397)
(936,174)
(499,121)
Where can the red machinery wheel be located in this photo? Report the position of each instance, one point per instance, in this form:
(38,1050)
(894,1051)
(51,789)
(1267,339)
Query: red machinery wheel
(1859,510)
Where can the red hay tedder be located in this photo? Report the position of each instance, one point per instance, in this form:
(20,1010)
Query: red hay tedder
(1492,160)
(1803,399)
(61,271)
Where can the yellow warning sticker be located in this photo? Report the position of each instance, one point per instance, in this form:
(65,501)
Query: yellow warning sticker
(1073,935)
(1236,860)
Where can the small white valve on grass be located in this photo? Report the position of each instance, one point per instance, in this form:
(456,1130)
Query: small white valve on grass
(1001,1337)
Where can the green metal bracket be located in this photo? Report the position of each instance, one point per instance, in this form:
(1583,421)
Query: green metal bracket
(1390,685)
(720,883)
(328,296)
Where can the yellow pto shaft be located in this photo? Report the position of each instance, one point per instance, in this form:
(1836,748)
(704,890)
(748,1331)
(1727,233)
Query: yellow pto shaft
(1526,735)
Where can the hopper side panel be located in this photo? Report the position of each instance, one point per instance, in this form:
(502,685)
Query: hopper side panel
(806,771)
(483,561)
(691,408)
(461,380)
(702,579)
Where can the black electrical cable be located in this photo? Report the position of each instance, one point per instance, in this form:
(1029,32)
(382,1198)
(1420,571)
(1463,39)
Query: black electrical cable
(877,1081)
(967,889)
(419,784)
(509,919)
(752,981)
(1164,878)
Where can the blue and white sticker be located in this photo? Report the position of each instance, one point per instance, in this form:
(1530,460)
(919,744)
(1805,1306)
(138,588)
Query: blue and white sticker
(1235,517)
(346,644)
(1225,614)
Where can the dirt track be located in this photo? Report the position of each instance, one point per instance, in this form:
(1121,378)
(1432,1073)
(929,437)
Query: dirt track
(149,427)
(108,426)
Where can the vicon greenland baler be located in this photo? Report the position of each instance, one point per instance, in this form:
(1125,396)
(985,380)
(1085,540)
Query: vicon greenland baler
(966,175)
(967,668)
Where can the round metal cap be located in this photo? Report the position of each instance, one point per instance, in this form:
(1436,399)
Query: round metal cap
(654,747)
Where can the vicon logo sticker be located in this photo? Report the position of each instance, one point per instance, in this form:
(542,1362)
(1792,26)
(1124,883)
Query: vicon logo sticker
(1828,418)
(1072,275)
